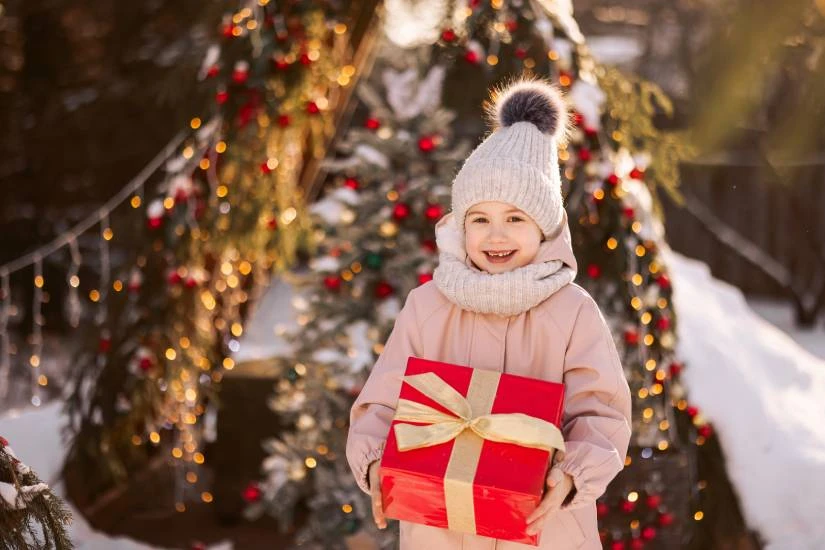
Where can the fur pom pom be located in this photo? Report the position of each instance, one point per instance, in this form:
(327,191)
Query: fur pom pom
(535,101)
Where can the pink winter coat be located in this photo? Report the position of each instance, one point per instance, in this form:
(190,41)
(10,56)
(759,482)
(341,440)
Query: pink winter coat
(563,339)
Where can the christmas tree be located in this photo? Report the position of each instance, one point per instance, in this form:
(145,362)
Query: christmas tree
(173,276)
(387,186)
(31,516)
(372,232)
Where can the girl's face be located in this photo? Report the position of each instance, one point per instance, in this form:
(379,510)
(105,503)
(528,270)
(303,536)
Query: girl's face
(500,237)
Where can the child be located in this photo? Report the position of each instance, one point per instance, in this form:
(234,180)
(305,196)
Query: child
(503,299)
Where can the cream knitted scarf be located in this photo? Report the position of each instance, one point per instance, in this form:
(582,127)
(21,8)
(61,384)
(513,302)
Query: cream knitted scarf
(504,294)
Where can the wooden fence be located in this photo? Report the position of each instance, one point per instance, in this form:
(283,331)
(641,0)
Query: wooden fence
(785,222)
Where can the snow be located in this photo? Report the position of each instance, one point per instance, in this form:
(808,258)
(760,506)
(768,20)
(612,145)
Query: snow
(763,393)
(44,454)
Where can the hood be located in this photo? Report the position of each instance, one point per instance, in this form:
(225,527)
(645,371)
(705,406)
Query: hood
(557,246)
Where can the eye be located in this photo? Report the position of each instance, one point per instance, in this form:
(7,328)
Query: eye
(480,220)
(515,219)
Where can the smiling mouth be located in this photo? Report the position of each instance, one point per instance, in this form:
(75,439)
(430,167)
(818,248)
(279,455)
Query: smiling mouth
(499,256)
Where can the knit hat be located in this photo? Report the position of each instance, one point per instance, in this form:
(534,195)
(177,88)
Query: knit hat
(518,162)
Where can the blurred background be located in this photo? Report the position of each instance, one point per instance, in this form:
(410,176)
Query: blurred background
(212,212)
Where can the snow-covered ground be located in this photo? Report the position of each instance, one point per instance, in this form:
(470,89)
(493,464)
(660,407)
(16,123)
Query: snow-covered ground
(781,315)
(765,395)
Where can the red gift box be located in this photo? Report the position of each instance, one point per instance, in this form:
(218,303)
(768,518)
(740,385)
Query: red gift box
(479,466)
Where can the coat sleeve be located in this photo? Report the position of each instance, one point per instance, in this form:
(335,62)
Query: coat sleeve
(596,423)
(372,412)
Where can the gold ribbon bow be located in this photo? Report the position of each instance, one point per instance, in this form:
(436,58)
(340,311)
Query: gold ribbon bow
(469,424)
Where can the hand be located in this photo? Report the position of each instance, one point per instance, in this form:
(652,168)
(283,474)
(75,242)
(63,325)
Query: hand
(375,493)
(559,485)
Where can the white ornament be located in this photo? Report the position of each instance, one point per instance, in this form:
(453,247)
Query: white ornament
(211,57)
(410,96)
(371,155)
(155,210)
(588,100)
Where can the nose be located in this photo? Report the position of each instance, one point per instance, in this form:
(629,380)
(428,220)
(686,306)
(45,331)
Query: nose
(497,233)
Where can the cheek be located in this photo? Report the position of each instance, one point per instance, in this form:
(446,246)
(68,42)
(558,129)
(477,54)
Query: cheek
(472,239)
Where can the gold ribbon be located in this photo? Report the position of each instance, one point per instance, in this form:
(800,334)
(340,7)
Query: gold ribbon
(469,424)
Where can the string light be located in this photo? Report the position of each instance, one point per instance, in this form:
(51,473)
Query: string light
(73,306)
(37,330)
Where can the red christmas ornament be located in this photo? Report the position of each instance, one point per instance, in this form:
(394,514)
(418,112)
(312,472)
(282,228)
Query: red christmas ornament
(433,212)
(174,278)
(429,245)
(252,493)
(245,114)
(705,431)
(240,76)
(400,211)
(145,364)
(637,544)
(426,144)
(213,71)
(511,25)
(653,501)
(585,155)
(104,345)
(372,123)
(332,283)
(448,35)
(629,213)
(383,289)
(649,533)
(280,64)
(305,60)
(663,323)
(590,132)
(637,174)
(602,509)
(628,506)
(154,223)
(312,108)
(471,56)
(631,337)
(352,183)
(283,121)
(663,282)
(666,519)
(272,224)
(3,442)
(578,119)
(612,180)
(265,169)
(675,369)
(424,278)
(692,411)
(594,271)
(221,97)
(227,30)
(617,545)
(181,196)
(191,282)
(520,53)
